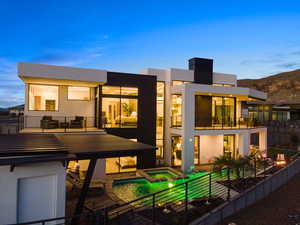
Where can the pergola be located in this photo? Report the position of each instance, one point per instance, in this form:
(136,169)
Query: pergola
(19,149)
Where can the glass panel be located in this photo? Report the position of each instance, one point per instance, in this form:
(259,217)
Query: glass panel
(112,165)
(285,116)
(43,97)
(266,116)
(229,146)
(274,115)
(176,150)
(229,111)
(160,91)
(129,91)
(128,112)
(176,110)
(78,93)
(160,149)
(197,150)
(217,112)
(127,164)
(111,112)
(177,82)
(111,90)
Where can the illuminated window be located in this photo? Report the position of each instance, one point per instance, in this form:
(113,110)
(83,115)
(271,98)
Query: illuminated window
(160,93)
(119,107)
(43,97)
(78,93)
(116,90)
(120,164)
(176,110)
(119,112)
(176,150)
(111,90)
(179,82)
(129,91)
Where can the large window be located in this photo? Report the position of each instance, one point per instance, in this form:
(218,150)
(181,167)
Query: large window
(176,110)
(119,107)
(229,146)
(43,97)
(223,111)
(160,119)
(176,150)
(79,93)
(120,164)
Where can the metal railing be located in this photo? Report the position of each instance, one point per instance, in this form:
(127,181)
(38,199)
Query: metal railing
(48,124)
(181,203)
(240,123)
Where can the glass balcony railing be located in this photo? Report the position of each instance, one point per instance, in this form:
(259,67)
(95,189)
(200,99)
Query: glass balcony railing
(240,123)
(50,124)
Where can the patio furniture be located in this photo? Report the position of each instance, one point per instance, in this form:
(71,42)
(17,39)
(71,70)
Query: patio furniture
(48,123)
(78,122)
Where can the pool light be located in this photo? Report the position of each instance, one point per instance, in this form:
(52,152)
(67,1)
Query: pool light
(170,185)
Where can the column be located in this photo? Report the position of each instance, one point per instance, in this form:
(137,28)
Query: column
(263,141)
(188,123)
(244,143)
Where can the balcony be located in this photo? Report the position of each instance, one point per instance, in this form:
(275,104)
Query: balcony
(58,124)
(240,123)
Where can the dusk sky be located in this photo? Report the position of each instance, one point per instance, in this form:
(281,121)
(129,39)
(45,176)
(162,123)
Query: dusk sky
(251,39)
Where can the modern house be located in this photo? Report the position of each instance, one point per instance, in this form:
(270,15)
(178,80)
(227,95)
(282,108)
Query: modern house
(190,115)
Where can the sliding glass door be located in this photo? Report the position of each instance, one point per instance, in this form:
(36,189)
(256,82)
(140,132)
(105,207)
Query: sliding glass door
(229,146)
(223,111)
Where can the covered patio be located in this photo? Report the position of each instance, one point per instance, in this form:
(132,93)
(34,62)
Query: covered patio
(26,149)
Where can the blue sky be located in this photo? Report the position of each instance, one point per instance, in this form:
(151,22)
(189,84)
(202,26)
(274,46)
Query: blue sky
(249,38)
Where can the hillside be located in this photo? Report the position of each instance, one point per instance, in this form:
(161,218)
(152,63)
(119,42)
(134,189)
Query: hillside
(281,88)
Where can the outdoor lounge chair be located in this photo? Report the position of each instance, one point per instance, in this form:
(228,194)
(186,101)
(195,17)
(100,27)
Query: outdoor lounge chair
(78,122)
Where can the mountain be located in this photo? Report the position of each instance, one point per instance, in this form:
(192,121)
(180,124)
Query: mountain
(281,88)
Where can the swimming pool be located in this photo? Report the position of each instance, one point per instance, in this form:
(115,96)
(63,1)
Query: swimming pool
(162,174)
(131,189)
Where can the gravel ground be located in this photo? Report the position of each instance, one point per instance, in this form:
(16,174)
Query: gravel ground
(282,207)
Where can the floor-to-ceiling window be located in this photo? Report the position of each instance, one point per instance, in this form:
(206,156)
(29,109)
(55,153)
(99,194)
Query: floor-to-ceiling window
(176,150)
(223,111)
(229,146)
(119,107)
(197,150)
(176,111)
(120,164)
(160,94)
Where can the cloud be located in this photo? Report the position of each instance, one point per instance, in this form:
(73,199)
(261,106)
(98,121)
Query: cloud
(289,65)
(69,57)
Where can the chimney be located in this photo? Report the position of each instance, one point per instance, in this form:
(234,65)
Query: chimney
(203,70)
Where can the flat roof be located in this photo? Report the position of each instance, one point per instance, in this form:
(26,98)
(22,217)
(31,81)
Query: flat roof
(32,148)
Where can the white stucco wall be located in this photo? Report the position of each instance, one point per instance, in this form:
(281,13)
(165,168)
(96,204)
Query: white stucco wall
(68,108)
(60,72)
(41,200)
(210,147)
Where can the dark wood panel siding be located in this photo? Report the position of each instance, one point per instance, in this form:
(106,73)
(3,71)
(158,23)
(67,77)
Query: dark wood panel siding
(203,110)
(146,129)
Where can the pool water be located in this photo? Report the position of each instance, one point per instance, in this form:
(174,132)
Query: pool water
(131,189)
(162,174)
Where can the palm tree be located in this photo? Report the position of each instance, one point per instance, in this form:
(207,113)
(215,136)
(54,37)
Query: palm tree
(222,162)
